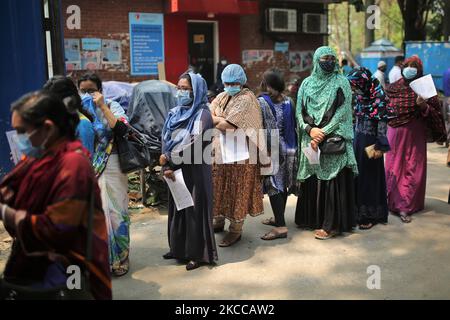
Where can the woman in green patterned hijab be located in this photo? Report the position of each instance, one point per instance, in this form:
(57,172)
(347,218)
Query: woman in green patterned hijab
(327,190)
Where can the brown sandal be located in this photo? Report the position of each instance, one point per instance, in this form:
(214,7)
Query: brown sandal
(323,235)
(230,239)
(405,217)
(273,234)
(122,269)
(269,222)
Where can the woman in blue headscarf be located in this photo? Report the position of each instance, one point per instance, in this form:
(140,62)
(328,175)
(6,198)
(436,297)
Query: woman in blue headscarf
(190,230)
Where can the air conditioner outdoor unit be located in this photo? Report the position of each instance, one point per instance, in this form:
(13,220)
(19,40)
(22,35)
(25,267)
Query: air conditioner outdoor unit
(315,23)
(282,20)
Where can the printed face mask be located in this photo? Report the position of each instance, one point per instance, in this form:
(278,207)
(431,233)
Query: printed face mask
(327,66)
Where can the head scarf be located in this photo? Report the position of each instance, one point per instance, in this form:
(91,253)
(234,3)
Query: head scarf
(402,99)
(370,100)
(318,91)
(234,73)
(182,117)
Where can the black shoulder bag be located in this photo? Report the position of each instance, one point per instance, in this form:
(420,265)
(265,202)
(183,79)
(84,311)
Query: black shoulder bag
(333,143)
(133,148)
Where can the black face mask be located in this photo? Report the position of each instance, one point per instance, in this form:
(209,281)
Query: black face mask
(327,66)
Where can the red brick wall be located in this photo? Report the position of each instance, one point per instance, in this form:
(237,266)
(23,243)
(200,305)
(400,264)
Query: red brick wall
(108,19)
(253,38)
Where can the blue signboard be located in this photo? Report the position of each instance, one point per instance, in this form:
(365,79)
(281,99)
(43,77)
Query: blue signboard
(435,58)
(146,42)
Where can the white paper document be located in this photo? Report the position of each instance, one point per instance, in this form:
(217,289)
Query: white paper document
(312,156)
(12,140)
(424,87)
(180,193)
(233,146)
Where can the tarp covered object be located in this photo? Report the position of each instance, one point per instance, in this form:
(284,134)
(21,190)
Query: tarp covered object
(150,103)
(119,92)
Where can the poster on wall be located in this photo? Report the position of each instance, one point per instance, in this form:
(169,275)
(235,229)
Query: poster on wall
(250,56)
(91,44)
(146,42)
(72,55)
(282,47)
(90,60)
(300,60)
(111,51)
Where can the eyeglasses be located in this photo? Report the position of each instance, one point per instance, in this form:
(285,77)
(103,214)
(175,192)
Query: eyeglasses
(88,91)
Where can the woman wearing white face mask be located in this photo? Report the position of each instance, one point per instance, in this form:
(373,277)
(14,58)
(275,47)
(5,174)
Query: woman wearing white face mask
(406,163)
(237,187)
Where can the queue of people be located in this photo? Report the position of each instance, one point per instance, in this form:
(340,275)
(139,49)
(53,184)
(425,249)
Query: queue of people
(71,170)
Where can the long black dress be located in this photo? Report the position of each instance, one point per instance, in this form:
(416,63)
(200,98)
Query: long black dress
(190,231)
(371,195)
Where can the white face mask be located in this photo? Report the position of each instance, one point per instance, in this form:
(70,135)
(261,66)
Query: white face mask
(224,62)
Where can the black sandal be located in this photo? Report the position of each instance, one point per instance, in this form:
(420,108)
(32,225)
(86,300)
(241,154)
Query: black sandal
(192,265)
(168,256)
(366,226)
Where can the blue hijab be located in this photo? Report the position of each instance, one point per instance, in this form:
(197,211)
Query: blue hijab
(184,117)
(289,134)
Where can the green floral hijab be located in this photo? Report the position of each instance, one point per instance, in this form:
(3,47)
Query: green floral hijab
(319,90)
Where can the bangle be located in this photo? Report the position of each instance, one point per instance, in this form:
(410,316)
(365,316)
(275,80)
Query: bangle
(4,207)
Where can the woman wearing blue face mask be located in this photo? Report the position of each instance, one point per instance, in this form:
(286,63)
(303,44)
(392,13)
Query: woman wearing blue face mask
(416,121)
(190,231)
(237,187)
(66,90)
(109,119)
(44,201)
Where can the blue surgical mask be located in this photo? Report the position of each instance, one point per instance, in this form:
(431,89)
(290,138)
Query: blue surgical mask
(26,147)
(184,97)
(410,73)
(232,90)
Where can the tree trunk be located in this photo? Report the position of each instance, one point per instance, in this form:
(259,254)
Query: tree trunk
(412,12)
(349,28)
(446,21)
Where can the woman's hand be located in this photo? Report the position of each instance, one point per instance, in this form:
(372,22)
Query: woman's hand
(162,160)
(377,154)
(169,175)
(314,145)
(224,125)
(317,134)
(99,99)
(422,103)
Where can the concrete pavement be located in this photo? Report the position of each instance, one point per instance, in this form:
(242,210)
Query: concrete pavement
(414,259)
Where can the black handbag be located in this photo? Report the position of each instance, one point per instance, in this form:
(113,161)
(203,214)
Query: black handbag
(132,146)
(16,291)
(333,143)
